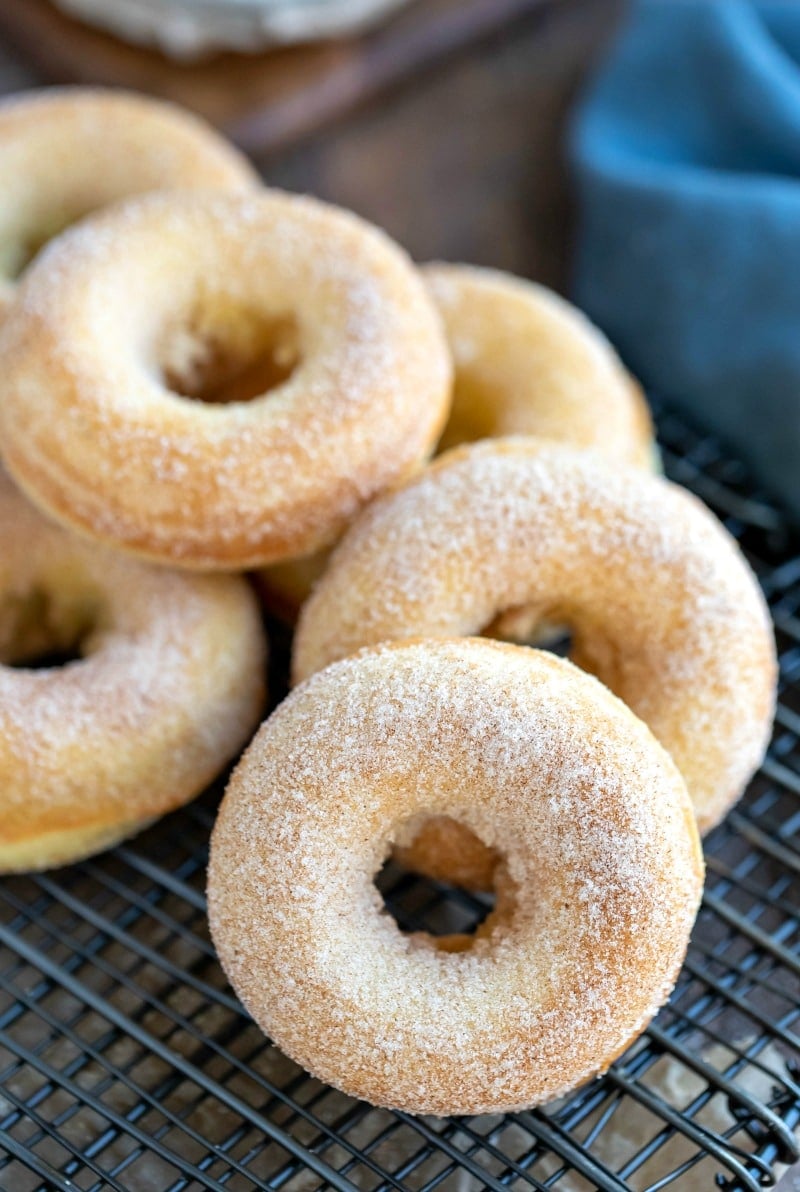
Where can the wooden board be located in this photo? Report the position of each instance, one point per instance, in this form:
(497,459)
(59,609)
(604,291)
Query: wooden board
(467,164)
(271,99)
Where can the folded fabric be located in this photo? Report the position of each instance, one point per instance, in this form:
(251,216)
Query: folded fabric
(686,151)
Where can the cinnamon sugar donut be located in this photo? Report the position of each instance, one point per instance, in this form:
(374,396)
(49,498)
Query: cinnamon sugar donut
(127,318)
(597,891)
(529,363)
(526,363)
(661,603)
(65,152)
(166,685)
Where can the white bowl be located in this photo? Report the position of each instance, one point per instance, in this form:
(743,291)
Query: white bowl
(193,28)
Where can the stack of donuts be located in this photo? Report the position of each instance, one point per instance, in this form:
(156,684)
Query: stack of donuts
(201,378)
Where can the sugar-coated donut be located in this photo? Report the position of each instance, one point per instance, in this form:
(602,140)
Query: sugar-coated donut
(661,603)
(525,362)
(596,893)
(67,151)
(167,685)
(178,292)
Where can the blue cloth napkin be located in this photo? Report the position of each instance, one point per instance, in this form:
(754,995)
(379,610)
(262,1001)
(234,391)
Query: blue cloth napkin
(686,150)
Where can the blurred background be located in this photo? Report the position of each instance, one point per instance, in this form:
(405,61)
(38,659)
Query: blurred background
(442,120)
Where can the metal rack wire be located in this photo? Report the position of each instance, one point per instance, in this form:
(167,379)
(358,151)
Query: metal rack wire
(126,1063)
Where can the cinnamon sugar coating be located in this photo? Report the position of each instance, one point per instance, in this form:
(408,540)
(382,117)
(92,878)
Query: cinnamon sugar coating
(167,685)
(661,603)
(68,151)
(597,890)
(527,362)
(134,307)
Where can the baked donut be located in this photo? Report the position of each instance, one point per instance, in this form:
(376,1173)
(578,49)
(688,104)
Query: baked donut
(526,363)
(596,893)
(167,683)
(65,152)
(660,602)
(529,363)
(130,317)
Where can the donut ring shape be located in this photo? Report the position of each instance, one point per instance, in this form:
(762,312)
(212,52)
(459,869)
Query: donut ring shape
(525,363)
(168,686)
(541,761)
(92,432)
(65,152)
(529,363)
(662,606)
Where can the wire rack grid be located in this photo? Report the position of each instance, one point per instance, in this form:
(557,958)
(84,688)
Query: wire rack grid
(126,1063)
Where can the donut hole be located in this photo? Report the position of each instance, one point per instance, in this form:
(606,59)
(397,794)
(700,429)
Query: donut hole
(235,358)
(40,631)
(529,625)
(465,894)
(442,911)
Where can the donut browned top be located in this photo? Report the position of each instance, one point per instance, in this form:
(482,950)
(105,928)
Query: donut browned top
(602,875)
(167,685)
(527,362)
(661,603)
(68,151)
(142,300)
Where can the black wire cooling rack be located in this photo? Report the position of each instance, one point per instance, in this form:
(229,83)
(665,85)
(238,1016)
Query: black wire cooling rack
(126,1062)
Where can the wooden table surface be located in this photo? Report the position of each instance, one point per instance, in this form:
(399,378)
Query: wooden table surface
(459,159)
